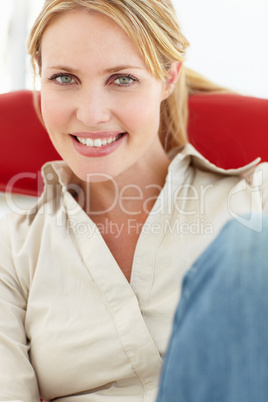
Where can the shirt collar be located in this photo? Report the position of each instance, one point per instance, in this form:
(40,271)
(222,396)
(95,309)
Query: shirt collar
(192,157)
(58,178)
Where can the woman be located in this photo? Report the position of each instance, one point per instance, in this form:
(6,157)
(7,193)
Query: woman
(91,277)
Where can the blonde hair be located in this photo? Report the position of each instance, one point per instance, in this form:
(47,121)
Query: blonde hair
(154,28)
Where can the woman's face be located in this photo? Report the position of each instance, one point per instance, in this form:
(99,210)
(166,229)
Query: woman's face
(100,104)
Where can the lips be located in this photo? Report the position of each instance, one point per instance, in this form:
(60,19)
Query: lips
(97,144)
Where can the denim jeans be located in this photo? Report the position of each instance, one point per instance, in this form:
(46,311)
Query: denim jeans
(218,350)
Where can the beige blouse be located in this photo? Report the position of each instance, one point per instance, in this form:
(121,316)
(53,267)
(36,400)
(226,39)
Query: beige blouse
(71,327)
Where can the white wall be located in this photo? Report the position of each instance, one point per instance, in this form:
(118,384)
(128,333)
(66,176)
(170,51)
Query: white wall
(16,18)
(228,41)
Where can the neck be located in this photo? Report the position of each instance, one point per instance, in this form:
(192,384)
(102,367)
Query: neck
(132,193)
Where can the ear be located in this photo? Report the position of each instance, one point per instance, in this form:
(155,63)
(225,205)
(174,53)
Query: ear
(169,84)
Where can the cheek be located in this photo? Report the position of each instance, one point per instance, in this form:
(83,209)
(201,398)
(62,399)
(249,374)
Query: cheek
(142,112)
(54,112)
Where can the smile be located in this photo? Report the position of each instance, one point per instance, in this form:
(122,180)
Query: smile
(98,142)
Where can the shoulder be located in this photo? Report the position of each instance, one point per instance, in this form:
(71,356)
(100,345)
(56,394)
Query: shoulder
(237,191)
(11,227)
(21,233)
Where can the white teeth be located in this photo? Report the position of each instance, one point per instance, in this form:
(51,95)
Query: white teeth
(89,142)
(97,143)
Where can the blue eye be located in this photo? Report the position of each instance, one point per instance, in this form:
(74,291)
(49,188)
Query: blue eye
(63,79)
(124,80)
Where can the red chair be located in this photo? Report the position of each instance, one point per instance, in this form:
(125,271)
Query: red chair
(229,130)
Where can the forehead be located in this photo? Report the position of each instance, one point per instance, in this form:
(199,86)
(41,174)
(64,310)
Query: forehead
(79,36)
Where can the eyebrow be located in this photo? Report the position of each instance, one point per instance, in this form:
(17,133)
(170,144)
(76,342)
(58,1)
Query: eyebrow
(106,71)
(65,68)
(119,68)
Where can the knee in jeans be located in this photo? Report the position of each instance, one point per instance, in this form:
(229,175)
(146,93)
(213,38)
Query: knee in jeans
(246,249)
(248,230)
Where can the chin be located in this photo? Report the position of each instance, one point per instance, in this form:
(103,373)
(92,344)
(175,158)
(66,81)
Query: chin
(90,174)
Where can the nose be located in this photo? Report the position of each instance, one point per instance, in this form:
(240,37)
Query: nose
(92,107)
